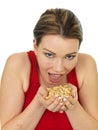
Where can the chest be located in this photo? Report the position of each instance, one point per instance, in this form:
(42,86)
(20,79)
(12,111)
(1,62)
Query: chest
(54,121)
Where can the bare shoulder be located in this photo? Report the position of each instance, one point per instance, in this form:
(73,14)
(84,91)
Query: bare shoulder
(85,66)
(86,61)
(88,82)
(14,81)
(18,65)
(17,59)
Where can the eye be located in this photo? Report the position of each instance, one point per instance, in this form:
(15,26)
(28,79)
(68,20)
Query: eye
(70,57)
(49,55)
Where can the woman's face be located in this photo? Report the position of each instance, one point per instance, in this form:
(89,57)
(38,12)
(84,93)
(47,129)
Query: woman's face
(56,57)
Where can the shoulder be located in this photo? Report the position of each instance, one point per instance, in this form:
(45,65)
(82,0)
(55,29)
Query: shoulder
(85,66)
(14,81)
(87,60)
(18,67)
(17,59)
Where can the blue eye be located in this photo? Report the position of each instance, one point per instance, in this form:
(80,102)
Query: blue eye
(49,55)
(69,57)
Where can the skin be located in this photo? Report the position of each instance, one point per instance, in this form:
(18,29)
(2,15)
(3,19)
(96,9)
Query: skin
(56,57)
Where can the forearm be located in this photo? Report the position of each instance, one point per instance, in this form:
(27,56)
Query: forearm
(27,120)
(80,119)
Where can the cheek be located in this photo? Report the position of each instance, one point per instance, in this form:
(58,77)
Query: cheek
(70,64)
(43,64)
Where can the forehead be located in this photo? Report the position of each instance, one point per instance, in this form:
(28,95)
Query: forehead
(59,43)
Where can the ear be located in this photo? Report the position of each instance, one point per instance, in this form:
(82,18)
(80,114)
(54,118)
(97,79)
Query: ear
(35,46)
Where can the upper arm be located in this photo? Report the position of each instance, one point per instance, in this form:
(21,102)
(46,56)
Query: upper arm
(11,90)
(89,90)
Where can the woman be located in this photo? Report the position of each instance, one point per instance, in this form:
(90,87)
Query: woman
(55,61)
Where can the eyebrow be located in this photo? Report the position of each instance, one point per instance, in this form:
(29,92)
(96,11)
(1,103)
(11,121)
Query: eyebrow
(48,50)
(55,54)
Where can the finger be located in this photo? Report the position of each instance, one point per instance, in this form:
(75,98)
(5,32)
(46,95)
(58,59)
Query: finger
(64,108)
(43,92)
(74,90)
(55,105)
(57,108)
(68,104)
(72,100)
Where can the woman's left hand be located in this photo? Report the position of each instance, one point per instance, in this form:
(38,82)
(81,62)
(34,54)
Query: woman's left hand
(70,101)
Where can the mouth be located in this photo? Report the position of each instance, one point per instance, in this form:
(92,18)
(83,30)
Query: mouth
(55,77)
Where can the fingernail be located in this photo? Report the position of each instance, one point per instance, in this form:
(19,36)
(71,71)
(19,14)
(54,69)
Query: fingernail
(65,99)
(59,98)
(61,103)
(56,95)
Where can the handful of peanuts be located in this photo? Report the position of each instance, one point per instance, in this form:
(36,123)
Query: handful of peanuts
(62,91)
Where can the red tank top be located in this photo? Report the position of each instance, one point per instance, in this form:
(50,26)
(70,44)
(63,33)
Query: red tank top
(50,120)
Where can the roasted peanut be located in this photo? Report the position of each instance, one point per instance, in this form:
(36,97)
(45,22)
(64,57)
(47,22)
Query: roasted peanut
(62,91)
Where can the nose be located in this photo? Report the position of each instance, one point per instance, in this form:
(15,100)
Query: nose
(59,66)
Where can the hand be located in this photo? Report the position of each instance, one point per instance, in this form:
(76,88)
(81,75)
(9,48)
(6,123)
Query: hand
(53,104)
(70,101)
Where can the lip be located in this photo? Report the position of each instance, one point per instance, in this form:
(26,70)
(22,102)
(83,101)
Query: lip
(55,77)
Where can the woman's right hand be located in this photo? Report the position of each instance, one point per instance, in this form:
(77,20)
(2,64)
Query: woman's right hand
(53,104)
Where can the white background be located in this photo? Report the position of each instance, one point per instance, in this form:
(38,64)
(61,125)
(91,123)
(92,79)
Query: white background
(18,18)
